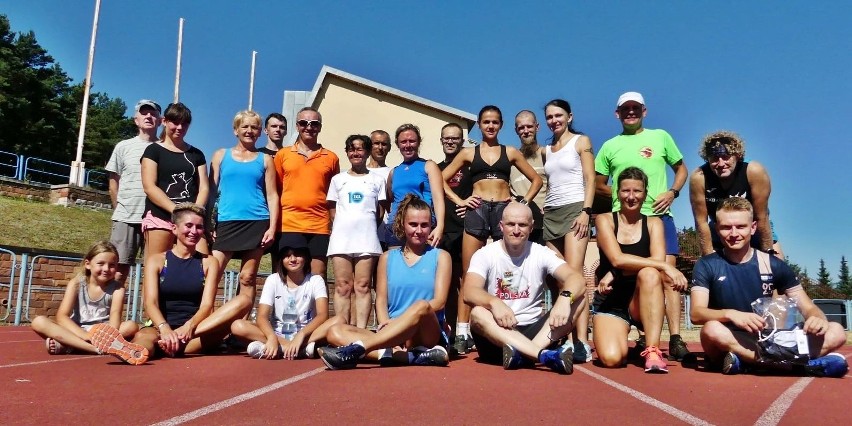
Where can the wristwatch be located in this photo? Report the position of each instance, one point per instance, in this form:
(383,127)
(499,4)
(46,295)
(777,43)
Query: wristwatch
(772,251)
(587,210)
(524,201)
(568,294)
(675,192)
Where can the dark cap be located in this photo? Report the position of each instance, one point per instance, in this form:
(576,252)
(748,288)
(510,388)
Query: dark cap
(293,240)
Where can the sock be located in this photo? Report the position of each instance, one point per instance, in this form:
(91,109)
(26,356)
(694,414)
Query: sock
(463,329)
(385,353)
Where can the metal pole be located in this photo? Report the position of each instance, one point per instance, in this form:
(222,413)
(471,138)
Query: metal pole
(76,176)
(179,49)
(19,302)
(251,80)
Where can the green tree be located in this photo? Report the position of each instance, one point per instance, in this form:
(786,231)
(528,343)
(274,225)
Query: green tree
(823,277)
(40,109)
(844,283)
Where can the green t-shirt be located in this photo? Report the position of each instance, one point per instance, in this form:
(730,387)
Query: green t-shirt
(650,150)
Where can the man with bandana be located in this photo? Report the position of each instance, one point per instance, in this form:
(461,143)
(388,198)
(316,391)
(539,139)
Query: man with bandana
(725,174)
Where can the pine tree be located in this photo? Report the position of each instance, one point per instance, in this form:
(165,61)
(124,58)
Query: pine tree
(823,277)
(844,283)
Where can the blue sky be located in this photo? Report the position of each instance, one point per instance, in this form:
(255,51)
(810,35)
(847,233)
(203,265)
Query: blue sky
(776,73)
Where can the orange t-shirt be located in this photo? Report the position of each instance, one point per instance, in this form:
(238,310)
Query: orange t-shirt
(304,183)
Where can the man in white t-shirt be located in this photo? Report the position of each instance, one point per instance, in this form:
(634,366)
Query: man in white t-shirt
(505,285)
(125,186)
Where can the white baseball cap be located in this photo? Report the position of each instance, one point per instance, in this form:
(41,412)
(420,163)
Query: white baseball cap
(630,96)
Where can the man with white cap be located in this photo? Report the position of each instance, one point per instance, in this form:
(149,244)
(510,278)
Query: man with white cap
(650,150)
(725,174)
(125,186)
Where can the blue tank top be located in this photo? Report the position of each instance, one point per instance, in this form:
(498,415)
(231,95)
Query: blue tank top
(242,189)
(408,284)
(409,178)
(181,288)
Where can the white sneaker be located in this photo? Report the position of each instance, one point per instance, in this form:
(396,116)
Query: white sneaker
(255,349)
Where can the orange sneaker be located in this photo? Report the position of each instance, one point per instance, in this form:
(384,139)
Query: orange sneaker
(654,361)
(108,340)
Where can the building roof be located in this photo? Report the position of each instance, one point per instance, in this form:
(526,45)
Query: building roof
(328,71)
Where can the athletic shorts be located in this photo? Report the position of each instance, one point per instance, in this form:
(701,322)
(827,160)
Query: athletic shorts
(558,220)
(670,231)
(150,222)
(490,353)
(617,302)
(452,243)
(484,221)
(127,239)
(317,243)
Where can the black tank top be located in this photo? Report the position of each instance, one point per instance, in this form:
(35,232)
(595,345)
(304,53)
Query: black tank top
(714,193)
(641,248)
(181,288)
(479,169)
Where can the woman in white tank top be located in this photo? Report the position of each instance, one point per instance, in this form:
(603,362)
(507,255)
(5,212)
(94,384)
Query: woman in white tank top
(570,168)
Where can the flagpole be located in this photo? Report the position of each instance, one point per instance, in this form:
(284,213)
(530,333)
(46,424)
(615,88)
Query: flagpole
(179,50)
(78,166)
(251,79)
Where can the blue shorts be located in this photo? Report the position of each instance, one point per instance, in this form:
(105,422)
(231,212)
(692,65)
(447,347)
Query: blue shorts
(670,231)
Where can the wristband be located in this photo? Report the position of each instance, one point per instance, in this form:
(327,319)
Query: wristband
(675,192)
(587,210)
(161,324)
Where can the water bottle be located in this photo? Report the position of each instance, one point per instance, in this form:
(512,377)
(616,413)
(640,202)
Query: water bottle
(289,327)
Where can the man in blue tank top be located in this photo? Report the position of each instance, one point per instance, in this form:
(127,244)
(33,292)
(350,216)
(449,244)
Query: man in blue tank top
(725,174)
(726,283)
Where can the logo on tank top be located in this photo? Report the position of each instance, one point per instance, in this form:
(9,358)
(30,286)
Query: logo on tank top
(455,181)
(646,152)
(356,197)
(511,287)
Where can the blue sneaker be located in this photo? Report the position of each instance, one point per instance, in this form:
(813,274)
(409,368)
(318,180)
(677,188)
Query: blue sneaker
(731,364)
(830,365)
(342,358)
(582,353)
(437,356)
(560,360)
(512,359)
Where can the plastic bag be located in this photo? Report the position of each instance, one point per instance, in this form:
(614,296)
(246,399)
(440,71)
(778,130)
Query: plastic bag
(783,339)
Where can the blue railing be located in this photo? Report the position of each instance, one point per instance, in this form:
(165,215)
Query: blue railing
(10,165)
(48,172)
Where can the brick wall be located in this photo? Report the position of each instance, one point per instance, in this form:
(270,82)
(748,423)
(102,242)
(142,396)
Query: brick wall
(18,189)
(65,195)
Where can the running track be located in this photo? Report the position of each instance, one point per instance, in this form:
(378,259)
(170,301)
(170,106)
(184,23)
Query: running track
(233,389)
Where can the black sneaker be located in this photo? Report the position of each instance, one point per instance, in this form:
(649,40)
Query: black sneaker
(636,351)
(342,358)
(462,345)
(436,356)
(677,348)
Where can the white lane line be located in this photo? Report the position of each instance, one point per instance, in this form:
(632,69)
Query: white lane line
(773,415)
(21,341)
(666,408)
(45,362)
(221,405)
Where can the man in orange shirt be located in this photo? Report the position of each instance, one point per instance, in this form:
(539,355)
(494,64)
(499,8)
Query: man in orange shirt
(304,172)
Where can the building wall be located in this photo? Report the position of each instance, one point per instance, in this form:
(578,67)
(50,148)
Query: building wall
(348,108)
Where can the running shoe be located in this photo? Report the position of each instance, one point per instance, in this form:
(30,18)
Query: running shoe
(654,362)
(342,358)
(560,360)
(731,364)
(677,348)
(636,351)
(255,350)
(512,359)
(108,340)
(582,353)
(462,345)
(437,356)
(830,365)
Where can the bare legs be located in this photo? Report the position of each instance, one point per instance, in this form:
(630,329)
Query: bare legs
(353,273)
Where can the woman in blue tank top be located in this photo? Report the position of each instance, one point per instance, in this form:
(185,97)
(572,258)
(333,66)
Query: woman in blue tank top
(247,208)
(417,176)
(412,282)
(634,271)
(179,291)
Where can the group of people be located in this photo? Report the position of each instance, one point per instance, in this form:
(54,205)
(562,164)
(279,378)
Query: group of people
(418,230)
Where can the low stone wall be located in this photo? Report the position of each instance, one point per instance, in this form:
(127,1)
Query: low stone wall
(27,190)
(63,195)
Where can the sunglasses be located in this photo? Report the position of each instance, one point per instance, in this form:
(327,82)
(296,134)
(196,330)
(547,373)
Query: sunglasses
(627,109)
(451,140)
(309,123)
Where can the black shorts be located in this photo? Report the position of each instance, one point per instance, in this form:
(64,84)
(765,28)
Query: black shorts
(484,221)
(317,243)
(452,243)
(490,353)
(617,302)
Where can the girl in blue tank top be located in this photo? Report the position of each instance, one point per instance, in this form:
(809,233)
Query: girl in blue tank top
(412,282)
(416,176)
(179,292)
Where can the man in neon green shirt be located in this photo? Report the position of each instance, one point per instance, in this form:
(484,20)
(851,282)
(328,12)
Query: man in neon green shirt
(650,150)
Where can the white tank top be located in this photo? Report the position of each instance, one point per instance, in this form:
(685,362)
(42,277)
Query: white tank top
(564,175)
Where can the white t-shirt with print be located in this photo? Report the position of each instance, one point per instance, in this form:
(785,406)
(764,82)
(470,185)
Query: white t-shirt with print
(277,295)
(519,281)
(356,198)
